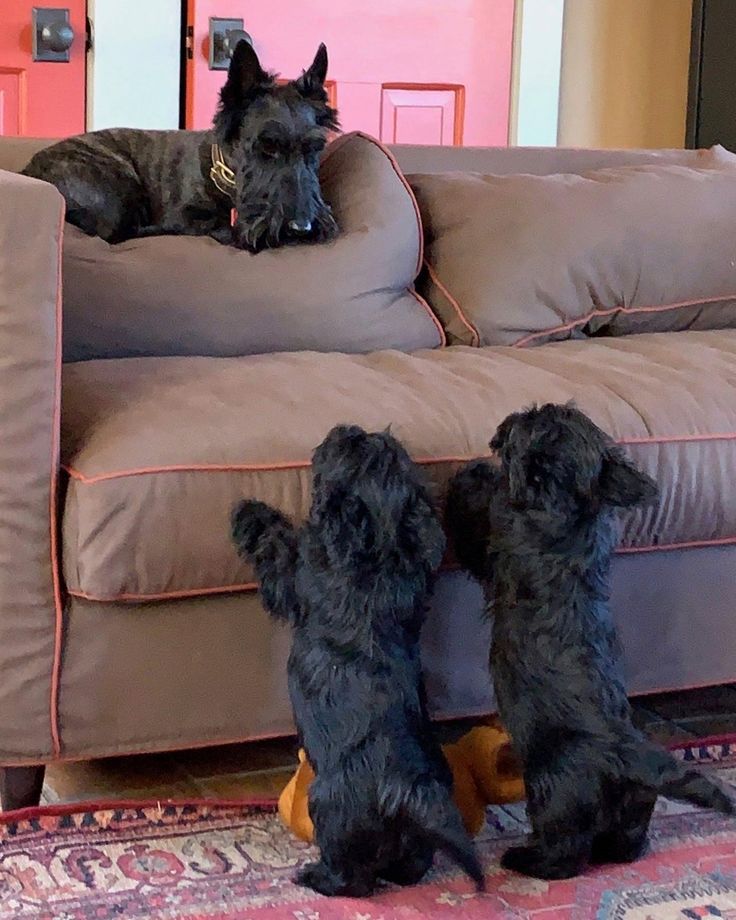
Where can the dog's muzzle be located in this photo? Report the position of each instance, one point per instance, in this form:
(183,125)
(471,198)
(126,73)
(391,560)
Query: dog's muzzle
(300,227)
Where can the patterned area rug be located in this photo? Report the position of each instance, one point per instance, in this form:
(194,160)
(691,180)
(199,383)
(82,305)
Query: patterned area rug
(231,861)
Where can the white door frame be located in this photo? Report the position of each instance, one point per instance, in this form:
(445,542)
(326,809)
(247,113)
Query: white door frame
(535,91)
(133,68)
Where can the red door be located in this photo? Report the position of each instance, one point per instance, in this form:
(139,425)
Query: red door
(407,71)
(42,98)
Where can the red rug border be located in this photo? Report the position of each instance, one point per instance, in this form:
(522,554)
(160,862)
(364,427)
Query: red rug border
(259,802)
(93,805)
(708,741)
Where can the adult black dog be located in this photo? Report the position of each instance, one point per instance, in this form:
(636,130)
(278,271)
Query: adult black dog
(538,532)
(353,584)
(251,182)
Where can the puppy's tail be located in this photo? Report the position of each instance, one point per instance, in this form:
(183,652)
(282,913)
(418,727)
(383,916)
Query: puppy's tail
(657,769)
(435,816)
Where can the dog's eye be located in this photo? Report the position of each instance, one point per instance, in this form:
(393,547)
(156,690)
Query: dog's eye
(313,146)
(270,148)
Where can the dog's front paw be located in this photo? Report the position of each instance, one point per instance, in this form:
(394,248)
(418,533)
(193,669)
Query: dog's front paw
(534,862)
(222,235)
(320,878)
(250,521)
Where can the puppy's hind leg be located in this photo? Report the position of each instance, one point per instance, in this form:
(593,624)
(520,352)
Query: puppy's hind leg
(267,538)
(329,878)
(348,841)
(433,816)
(554,853)
(411,861)
(562,806)
(626,840)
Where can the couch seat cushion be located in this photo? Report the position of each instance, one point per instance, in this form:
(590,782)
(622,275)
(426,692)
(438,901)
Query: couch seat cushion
(157,450)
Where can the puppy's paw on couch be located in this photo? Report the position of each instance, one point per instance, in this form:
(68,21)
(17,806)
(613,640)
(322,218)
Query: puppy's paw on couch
(250,521)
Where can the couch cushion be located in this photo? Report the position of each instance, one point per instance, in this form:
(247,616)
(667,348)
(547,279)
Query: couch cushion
(15,152)
(536,161)
(158,450)
(177,295)
(524,259)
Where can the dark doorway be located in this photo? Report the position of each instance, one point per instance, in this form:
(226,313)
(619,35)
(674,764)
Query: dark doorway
(712,97)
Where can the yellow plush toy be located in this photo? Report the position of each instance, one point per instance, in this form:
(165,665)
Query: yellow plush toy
(484,768)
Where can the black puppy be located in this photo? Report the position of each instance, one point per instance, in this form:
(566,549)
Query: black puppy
(260,163)
(538,532)
(353,584)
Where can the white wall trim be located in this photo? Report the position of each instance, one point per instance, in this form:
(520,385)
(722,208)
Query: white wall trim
(536,73)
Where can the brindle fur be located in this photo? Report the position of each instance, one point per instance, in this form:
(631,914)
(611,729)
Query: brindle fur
(123,183)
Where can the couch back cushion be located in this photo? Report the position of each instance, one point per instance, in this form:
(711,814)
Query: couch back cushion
(15,152)
(534,161)
(181,295)
(523,259)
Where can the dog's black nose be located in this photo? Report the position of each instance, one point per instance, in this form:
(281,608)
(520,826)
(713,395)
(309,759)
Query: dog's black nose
(300,227)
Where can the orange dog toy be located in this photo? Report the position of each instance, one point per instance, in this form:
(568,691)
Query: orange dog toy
(484,768)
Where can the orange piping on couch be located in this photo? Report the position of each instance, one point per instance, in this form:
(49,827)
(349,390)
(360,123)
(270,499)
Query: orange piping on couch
(627,311)
(53,511)
(275,466)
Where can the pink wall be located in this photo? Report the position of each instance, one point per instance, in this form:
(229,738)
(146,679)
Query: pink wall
(372,42)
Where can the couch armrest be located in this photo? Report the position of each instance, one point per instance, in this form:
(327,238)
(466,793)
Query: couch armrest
(31,227)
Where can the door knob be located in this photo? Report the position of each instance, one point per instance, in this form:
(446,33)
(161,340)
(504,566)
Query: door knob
(53,35)
(231,38)
(57,36)
(224,37)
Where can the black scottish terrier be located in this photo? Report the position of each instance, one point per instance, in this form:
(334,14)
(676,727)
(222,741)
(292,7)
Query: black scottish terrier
(353,584)
(251,182)
(538,532)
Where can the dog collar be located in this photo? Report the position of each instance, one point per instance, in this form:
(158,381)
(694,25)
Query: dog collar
(220,172)
(223,177)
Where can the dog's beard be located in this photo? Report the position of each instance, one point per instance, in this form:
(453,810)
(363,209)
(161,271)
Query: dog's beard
(325,226)
(256,233)
(270,231)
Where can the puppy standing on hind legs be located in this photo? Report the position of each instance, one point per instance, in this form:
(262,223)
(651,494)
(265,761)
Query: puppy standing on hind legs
(538,533)
(353,584)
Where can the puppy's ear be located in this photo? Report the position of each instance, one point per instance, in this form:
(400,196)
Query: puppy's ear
(311,84)
(516,468)
(421,531)
(501,438)
(519,481)
(621,484)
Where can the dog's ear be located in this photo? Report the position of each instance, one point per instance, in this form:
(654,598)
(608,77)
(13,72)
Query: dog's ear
(621,484)
(245,80)
(519,465)
(311,84)
(245,72)
(501,438)
(421,531)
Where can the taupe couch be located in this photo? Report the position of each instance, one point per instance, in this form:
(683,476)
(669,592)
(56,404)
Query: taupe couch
(168,444)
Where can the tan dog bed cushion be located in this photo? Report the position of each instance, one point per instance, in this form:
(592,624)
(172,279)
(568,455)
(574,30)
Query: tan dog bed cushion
(181,295)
